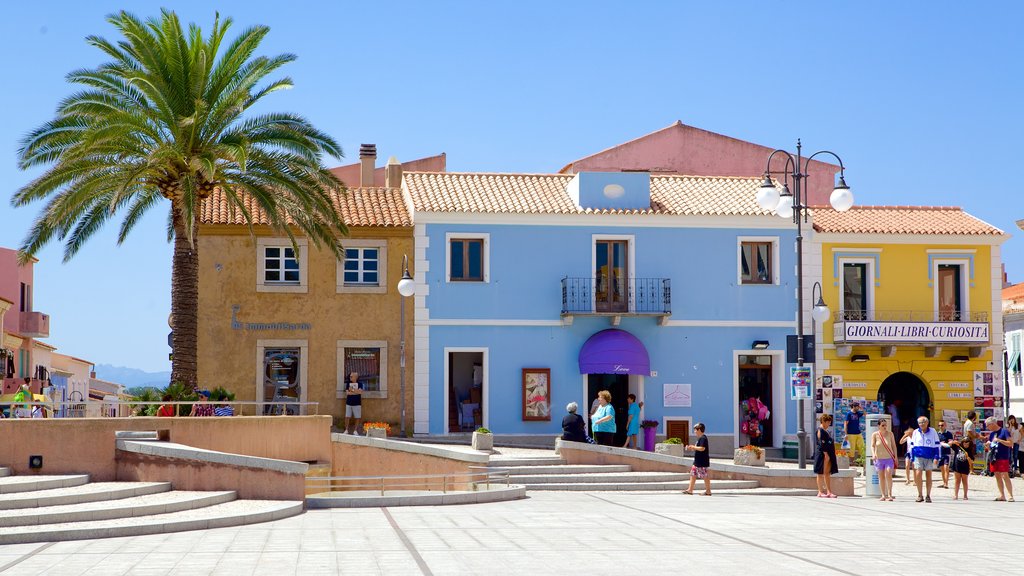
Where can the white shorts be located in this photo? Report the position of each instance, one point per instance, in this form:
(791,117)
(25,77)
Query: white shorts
(353,411)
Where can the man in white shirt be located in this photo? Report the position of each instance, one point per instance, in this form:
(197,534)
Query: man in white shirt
(927,450)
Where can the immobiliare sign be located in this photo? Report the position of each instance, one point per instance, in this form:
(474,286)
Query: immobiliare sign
(932,332)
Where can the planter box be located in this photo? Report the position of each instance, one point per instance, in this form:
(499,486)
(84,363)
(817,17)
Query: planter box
(376,433)
(483,442)
(842,462)
(669,449)
(743,457)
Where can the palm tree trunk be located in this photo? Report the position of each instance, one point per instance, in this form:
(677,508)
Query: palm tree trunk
(184,304)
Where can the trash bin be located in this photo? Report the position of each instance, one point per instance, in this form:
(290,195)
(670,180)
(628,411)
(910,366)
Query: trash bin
(790,446)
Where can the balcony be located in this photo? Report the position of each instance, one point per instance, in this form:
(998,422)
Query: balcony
(35,325)
(616,298)
(891,328)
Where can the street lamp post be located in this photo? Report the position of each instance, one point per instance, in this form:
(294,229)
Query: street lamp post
(793,205)
(406,288)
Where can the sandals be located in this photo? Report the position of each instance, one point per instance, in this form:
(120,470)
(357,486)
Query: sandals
(688,492)
(928,499)
(1010,499)
(919,499)
(707,493)
(822,495)
(1000,500)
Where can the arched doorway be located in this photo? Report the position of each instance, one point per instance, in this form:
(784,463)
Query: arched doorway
(910,396)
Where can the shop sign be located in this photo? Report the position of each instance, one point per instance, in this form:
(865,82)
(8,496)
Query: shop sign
(236,324)
(937,332)
(959,395)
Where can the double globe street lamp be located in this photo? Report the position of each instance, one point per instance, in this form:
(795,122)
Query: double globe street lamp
(406,288)
(787,204)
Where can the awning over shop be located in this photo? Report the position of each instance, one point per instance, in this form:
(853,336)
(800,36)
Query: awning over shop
(614,351)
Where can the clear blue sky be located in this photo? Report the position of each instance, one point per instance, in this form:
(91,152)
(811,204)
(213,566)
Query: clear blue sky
(921,100)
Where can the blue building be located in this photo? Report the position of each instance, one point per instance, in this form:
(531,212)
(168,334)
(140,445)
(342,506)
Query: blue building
(677,289)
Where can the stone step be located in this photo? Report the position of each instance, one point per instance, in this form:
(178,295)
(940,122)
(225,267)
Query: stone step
(566,469)
(640,486)
(234,513)
(92,492)
(146,505)
(537,461)
(11,484)
(4,471)
(602,478)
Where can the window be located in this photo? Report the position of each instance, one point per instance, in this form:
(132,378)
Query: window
(362,266)
(363,269)
(26,298)
(756,263)
(855,291)
(279,268)
(369,359)
(280,265)
(467,258)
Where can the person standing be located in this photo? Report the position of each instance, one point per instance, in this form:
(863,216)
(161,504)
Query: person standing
(999,441)
(824,457)
(926,449)
(909,457)
(701,461)
(203,408)
(353,403)
(970,433)
(961,463)
(852,431)
(166,410)
(632,423)
(574,428)
(945,437)
(603,420)
(883,447)
(1015,435)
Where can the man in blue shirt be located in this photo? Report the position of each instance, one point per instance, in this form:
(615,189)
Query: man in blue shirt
(853,431)
(999,441)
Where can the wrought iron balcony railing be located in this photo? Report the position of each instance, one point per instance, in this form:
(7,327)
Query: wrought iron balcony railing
(909,316)
(617,296)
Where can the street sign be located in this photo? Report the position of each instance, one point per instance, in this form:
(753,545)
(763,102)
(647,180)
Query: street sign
(170,339)
(791,356)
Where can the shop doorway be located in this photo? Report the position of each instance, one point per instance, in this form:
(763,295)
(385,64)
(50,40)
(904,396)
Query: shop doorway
(910,397)
(465,391)
(618,386)
(755,380)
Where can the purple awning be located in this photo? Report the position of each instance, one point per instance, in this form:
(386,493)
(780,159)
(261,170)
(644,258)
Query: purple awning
(614,352)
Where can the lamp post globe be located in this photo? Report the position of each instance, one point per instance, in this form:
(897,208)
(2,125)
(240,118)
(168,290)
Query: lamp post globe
(820,312)
(785,207)
(406,286)
(767,195)
(841,198)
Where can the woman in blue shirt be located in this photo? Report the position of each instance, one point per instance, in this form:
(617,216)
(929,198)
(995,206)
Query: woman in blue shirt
(632,423)
(603,420)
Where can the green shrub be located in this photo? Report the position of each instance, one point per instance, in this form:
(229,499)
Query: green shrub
(672,441)
(482,430)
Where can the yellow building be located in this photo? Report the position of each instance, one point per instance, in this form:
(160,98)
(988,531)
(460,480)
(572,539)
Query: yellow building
(916,310)
(286,327)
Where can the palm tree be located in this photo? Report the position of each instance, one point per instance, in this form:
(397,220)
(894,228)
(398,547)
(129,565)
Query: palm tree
(166,119)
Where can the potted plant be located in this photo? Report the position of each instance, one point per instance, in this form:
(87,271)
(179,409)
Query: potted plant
(842,459)
(748,455)
(670,447)
(483,439)
(650,430)
(377,429)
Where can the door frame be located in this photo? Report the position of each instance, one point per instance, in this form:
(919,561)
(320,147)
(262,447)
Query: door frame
(630,240)
(965,298)
(484,385)
(634,385)
(780,399)
(869,286)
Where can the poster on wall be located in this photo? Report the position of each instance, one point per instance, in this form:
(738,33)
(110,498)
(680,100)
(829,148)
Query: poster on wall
(800,381)
(537,394)
(677,396)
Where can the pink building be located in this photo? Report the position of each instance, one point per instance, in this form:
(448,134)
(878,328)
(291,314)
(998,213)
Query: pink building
(682,149)
(22,324)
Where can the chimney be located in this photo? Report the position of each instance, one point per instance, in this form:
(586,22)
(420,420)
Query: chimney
(367,160)
(393,173)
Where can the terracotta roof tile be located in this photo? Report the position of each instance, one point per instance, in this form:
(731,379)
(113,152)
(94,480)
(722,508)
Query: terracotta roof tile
(930,220)
(359,207)
(546,194)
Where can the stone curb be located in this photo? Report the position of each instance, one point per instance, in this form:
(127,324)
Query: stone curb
(14,484)
(115,491)
(512,492)
(480,458)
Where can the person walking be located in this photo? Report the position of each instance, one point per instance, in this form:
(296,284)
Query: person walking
(1000,442)
(824,457)
(603,420)
(701,461)
(883,447)
(1015,436)
(945,437)
(632,423)
(909,457)
(574,428)
(926,448)
(852,431)
(961,463)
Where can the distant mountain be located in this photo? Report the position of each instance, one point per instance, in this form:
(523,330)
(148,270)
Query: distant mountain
(132,377)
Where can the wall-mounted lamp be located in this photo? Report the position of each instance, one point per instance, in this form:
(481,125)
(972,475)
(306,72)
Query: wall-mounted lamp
(35,462)
(759,345)
(860,358)
(959,359)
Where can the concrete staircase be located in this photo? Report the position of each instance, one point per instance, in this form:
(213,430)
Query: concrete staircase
(69,507)
(553,474)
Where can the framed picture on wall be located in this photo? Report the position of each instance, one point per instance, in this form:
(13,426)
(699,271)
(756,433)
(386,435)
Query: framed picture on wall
(537,394)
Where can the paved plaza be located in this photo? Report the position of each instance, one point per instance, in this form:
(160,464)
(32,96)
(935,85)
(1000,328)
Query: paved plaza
(575,533)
